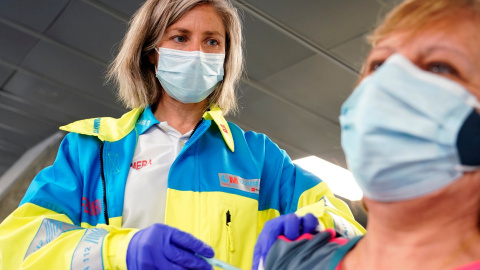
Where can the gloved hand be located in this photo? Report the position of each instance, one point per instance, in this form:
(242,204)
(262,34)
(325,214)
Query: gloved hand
(291,226)
(163,247)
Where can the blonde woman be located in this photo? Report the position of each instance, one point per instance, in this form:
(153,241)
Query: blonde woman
(171,179)
(411,135)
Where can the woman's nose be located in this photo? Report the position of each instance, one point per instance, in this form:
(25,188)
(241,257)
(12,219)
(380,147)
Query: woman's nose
(195,44)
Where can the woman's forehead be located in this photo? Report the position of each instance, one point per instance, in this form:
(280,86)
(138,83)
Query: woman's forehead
(460,35)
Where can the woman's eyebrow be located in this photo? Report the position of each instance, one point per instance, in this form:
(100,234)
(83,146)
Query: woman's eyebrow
(214,33)
(452,49)
(442,47)
(383,48)
(179,29)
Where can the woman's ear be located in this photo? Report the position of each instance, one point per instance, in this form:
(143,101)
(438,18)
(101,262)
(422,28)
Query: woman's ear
(153,57)
(364,206)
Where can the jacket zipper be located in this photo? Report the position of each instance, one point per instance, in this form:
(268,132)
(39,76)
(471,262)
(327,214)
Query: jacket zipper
(228,222)
(104,185)
(196,126)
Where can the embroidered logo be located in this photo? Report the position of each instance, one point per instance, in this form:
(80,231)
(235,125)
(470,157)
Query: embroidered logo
(96,125)
(224,128)
(48,231)
(137,165)
(113,163)
(237,182)
(144,122)
(92,208)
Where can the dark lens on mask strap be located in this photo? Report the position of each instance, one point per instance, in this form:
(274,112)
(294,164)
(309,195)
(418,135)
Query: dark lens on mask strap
(468,140)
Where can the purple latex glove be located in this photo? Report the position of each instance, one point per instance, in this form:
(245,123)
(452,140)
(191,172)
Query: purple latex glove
(291,226)
(163,247)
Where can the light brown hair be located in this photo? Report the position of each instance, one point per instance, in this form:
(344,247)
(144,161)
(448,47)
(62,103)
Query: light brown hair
(133,73)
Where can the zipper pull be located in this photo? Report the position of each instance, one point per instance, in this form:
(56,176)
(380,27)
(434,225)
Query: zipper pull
(228,218)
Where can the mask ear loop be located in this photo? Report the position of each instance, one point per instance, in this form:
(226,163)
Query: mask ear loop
(157,49)
(473,101)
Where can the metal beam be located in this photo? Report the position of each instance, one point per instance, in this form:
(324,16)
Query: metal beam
(108,10)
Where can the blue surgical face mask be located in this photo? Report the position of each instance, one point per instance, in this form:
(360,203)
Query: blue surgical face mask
(189,76)
(407,132)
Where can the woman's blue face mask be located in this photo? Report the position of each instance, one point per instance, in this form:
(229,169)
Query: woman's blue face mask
(189,76)
(407,132)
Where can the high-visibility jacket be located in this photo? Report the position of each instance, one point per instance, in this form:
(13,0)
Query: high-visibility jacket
(222,188)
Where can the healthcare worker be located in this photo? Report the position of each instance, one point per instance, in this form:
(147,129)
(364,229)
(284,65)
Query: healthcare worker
(411,135)
(171,180)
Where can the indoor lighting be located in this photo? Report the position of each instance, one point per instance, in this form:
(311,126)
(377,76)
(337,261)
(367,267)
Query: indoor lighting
(339,180)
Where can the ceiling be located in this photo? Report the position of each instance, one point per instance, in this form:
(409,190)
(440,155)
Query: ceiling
(302,60)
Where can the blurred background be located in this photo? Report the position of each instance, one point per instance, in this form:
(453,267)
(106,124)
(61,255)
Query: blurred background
(302,58)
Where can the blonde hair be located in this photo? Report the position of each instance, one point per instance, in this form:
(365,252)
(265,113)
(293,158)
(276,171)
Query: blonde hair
(416,15)
(133,73)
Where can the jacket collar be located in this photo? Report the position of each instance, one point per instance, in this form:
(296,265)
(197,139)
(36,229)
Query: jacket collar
(106,128)
(216,114)
(114,129)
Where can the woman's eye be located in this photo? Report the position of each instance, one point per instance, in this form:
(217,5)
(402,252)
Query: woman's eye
(179,39)
(212,42)
(442,68)
(375,65)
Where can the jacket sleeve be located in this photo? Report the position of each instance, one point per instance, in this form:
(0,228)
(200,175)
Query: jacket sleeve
(46,230)
(302,192)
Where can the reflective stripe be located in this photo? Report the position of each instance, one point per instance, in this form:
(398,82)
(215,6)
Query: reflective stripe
(49,230)
(342,226)
(88,254)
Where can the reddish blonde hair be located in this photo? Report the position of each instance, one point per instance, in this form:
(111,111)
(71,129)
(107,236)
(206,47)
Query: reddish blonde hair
(416,15)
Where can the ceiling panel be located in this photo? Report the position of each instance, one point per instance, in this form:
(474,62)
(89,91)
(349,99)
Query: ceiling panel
(34,108)
(5,73)
(353,51)
(88,29)
(267,50)
(336,157)
(33,125)
(326,22)
(70,69)
(315,83)
(19,140)
(57,101)
(37,14)
(4,167)
(127,7)
(8,157)
(286,123)
(14,45)
(10,148)
(293,152)
(16,137)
